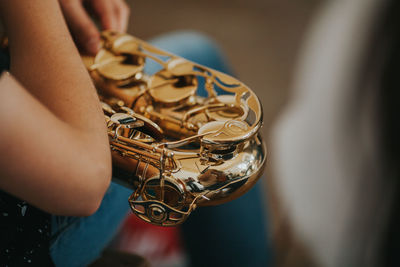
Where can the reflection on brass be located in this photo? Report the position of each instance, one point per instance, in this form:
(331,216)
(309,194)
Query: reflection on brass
(176,150)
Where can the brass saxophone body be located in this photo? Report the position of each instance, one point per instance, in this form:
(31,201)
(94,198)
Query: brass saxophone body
(175,149)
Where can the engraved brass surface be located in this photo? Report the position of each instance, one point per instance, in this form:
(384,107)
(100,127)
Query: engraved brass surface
(176,150)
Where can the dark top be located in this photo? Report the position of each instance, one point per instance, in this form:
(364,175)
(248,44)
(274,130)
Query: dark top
(25,233)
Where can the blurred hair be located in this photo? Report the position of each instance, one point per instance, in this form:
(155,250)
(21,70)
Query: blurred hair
(387,39)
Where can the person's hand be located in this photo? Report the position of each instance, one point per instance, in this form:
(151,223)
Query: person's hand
(112,15)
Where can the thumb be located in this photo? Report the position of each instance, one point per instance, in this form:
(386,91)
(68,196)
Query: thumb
(82,28)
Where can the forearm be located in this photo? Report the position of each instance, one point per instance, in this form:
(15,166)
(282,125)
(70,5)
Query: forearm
(55,152)
(44,160)
(45,60)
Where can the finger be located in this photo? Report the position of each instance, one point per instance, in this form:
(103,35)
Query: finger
(104,11)
(122,11)
(81,26)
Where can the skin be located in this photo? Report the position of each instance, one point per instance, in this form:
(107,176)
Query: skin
(53,143)
(111,14)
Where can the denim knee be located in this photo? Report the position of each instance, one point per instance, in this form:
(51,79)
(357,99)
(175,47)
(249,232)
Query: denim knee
(195,47)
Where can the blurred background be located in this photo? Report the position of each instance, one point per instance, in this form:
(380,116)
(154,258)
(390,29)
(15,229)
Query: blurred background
(326,73)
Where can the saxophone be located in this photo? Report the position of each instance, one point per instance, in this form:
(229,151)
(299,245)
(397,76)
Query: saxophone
(175,149)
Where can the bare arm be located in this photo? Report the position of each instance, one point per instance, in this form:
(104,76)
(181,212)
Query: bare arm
(54,146)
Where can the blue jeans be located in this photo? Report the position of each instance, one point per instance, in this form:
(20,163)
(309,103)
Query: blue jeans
(233,234)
